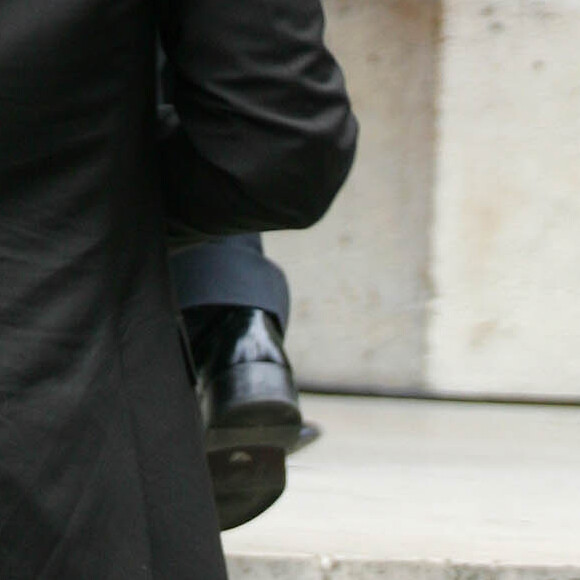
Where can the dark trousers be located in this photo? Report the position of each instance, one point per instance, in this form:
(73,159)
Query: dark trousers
(230,270)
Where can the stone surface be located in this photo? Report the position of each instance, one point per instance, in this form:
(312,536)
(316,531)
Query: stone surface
(359,279)
(498,254)
(431,570)
(393,487)
(274,567)
(289,567)
(506,319)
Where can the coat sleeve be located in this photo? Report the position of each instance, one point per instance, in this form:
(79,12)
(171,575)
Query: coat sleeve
(261,135)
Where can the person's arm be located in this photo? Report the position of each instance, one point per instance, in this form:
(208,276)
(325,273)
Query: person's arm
(262,135)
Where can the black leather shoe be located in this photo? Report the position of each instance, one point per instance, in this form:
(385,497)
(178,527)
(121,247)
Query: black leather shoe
(249,406)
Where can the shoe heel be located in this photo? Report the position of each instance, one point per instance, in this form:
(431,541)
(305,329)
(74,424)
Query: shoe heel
(254,405)
(255,394)
(221,438)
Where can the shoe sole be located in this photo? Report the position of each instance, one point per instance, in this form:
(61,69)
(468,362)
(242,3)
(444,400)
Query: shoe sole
(247,481)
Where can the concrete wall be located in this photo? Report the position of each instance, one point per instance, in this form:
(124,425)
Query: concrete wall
(506,318)
(360,278)
(450,263)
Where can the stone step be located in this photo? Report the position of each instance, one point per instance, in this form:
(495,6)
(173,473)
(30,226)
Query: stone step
(296,567)
(403,489)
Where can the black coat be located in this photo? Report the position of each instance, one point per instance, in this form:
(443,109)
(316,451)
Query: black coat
(101,464)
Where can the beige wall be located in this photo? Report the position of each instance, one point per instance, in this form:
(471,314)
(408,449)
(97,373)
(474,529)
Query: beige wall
(506,318)
(359,279)
(495,226)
